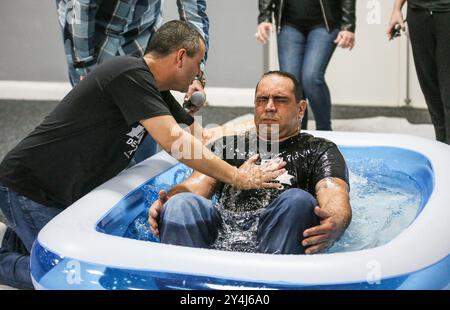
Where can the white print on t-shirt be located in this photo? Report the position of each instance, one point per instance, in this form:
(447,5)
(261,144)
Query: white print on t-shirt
(285,178)
(135,137)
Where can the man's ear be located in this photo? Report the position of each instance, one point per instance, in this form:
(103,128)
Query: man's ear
(181,53)
(302,108)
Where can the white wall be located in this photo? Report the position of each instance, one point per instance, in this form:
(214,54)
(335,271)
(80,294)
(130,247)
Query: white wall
(374,72)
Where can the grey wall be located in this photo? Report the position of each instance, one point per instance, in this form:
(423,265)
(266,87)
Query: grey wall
(235,58)
(31,46)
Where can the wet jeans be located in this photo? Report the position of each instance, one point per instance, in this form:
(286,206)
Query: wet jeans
(191,220)
(25,219)
(306,56)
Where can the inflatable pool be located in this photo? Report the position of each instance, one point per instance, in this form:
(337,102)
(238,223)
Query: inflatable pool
(91,245)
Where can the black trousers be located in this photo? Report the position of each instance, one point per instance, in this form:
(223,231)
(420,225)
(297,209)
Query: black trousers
(430,40)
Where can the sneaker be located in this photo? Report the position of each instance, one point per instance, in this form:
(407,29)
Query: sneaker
(3,229)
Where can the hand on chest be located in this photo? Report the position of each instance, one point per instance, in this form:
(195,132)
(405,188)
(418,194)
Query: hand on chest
(287,178)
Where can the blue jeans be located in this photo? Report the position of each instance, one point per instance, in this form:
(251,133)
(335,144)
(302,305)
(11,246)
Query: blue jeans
(146,149)
(25,219)
(191,220)
(74,77)
(306,56)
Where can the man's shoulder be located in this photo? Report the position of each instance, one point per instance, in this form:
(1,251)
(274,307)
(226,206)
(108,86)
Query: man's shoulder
(121,71)
(309,145)
(124,61)
(231,148)
(307,138)
(223,142)
(119,65)
(228,139)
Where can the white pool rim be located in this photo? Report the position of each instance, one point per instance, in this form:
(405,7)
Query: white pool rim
(424,243)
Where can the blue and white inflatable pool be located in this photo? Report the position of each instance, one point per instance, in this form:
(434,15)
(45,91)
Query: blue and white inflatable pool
(88,246)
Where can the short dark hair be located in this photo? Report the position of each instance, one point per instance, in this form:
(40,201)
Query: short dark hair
(174,35)
(298,88)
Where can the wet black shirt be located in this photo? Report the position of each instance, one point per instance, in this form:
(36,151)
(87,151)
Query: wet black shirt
(90,136)
(432,5)
(308,159)
(303,14)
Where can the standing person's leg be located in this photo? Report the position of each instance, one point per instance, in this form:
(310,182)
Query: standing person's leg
(319,49)
(281,225)
(423,42)
(442,27)
(189,220)
(64,11)
(74,77)
(25,219)
(291,50)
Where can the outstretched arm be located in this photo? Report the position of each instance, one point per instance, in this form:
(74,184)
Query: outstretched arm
(334,212)
(189,150)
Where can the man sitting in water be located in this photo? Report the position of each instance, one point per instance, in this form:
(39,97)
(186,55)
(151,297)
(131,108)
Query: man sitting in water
(308,212)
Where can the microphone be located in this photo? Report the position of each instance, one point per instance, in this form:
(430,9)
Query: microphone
(196,100)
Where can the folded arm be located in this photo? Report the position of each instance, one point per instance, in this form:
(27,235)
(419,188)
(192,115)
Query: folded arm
(334,212)
(198,183)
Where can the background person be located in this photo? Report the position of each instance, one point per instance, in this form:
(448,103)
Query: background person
(94,31)
(308,32)
(429,25)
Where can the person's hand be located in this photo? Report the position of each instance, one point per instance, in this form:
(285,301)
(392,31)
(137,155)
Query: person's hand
(396,19)
(195,86)
(319,238)
(155,210)
(263,32)
(251,176)
(81,77)
(345,39)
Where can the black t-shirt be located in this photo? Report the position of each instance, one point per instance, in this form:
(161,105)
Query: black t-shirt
(303,14)
(432,5)
(90,136)
(308,160)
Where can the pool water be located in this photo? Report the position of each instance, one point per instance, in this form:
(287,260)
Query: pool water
(384,199)
(382,206)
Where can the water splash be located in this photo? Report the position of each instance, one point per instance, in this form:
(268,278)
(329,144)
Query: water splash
(384,203)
